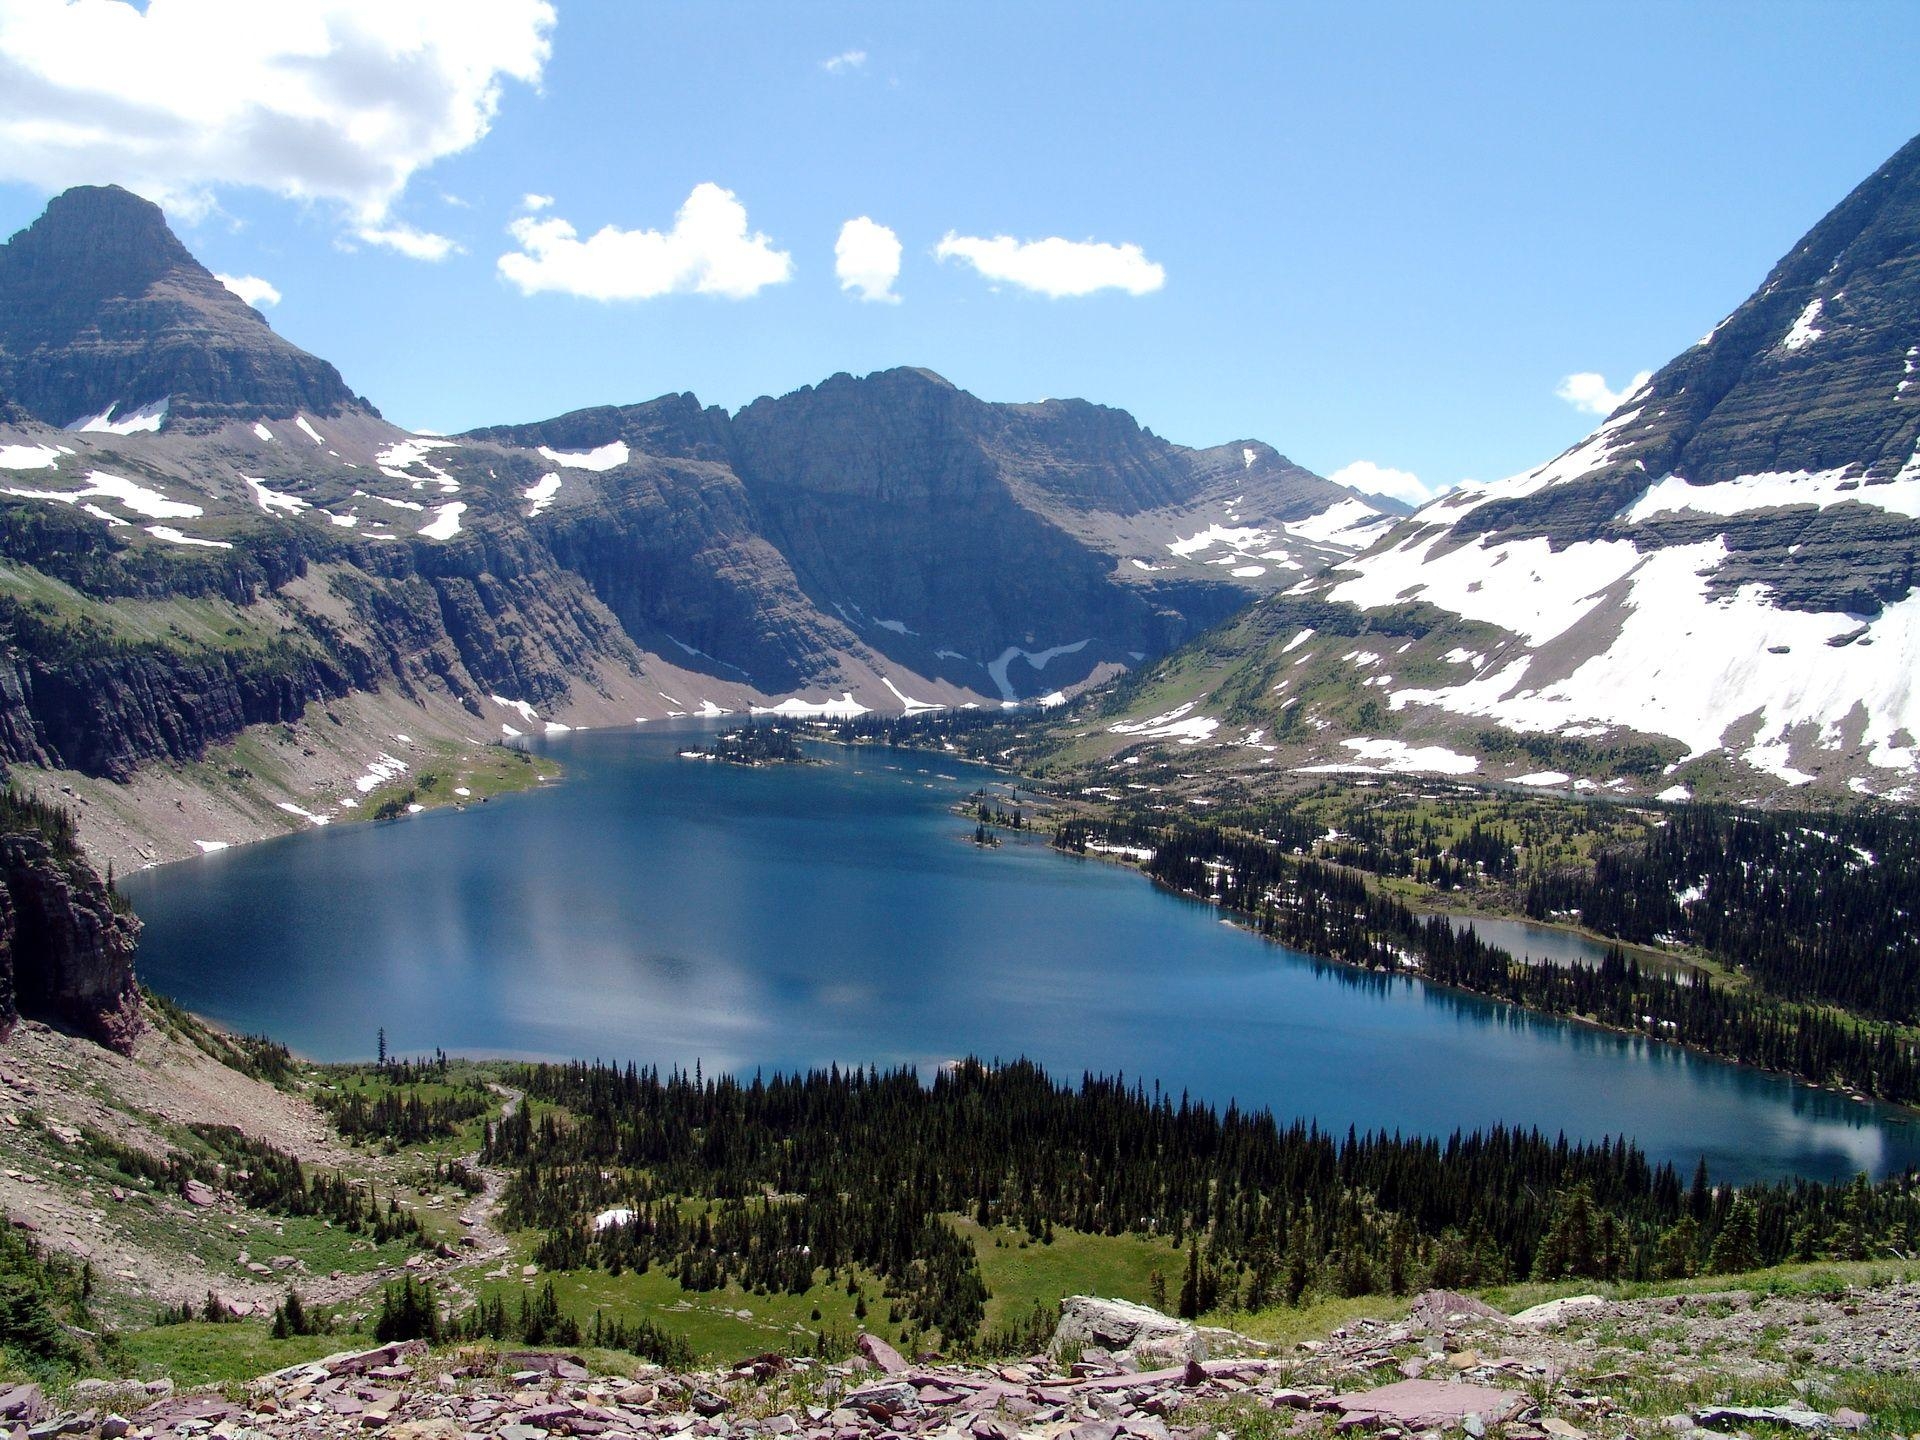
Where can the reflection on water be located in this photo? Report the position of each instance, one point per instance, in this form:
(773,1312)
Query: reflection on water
(664,911)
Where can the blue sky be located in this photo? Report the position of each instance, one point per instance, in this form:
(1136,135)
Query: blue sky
(1382,232)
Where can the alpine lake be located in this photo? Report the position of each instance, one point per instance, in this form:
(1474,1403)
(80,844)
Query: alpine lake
(672,912)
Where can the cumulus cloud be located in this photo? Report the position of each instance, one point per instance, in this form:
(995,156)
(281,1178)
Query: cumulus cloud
(531,202)
(709,251)
(1055,267)
(846,60)
(252,289)
(866,257)
(1588,391)
(330,100)
(412,243)
(1372,479)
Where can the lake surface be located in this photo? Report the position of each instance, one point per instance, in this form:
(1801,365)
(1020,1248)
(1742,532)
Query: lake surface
(668,911)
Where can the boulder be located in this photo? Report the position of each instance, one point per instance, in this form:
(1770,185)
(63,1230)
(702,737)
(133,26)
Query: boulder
(1138,1336)
(1556,1312)
(883,1355)
(1427,1404)
(1436,1309)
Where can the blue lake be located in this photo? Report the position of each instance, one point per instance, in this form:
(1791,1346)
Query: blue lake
(667,911)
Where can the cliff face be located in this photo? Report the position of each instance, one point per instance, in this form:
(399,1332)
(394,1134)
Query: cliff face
(66,952)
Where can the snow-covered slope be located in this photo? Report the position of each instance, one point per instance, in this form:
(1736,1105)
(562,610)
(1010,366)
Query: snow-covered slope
(1721,576)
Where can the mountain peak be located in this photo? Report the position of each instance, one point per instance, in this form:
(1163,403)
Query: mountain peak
(102,308)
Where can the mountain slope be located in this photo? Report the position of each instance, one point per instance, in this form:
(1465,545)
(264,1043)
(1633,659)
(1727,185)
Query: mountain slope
(1722,575)
(204,534)
(107,321)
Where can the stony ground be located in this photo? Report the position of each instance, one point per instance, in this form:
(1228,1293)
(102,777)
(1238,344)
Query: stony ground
(1570,1369)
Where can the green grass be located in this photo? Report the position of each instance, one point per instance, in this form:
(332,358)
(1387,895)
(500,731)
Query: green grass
(202,1354)
(1285,1326)
(710,1320)
(1819,1277)
(1019,1270)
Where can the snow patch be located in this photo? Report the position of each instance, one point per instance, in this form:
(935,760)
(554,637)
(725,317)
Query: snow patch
(177,537)
(1525,586)
(1179,723)
(845,708)
(1770,489)
(28,457)
(260,429)
(605,457)
(271,500)
(137,498)
(383,768)
(1396,757)
(1038,659)
(542,493)
(446,521)
(145,420)
(307,429)
(907,702)
(1804,332)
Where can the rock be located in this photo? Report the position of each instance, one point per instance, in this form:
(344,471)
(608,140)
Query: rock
(1420,1404)
(1139,1336)
(1556,1312)
(888,1359)
(1562,1429)
(114,1427)
(705,1402)
(434,1429)
(564,1367)
(1845,1419)
(197,1192)
(1435,1309)
(22,1404)
(66,952)
(884,1400)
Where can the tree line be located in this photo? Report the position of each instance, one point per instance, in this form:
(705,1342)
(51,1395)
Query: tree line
(1332,912)
(783,1183)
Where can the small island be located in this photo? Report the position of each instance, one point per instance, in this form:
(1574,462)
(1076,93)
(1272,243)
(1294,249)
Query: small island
(770,744)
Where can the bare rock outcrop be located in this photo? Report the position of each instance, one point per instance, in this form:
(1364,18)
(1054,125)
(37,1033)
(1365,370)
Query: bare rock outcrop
(66,950)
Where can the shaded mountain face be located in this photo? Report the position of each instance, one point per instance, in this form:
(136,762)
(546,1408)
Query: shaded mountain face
(105,317)
(231,538)
(1716,589)
(958,538)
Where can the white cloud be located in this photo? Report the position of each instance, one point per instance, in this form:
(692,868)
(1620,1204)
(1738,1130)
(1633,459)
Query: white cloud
(1056,267)
(412,243)
(709,251)
(252,289)
(844,61)
(329,100)
(1372,479)
(531,202)
(866,257)
(1588,391)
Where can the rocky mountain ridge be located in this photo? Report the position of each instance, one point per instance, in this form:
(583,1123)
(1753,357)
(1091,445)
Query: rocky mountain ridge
(205,533)
(1721,576)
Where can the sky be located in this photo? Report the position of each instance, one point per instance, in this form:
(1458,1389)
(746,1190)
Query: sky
(1411,245)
